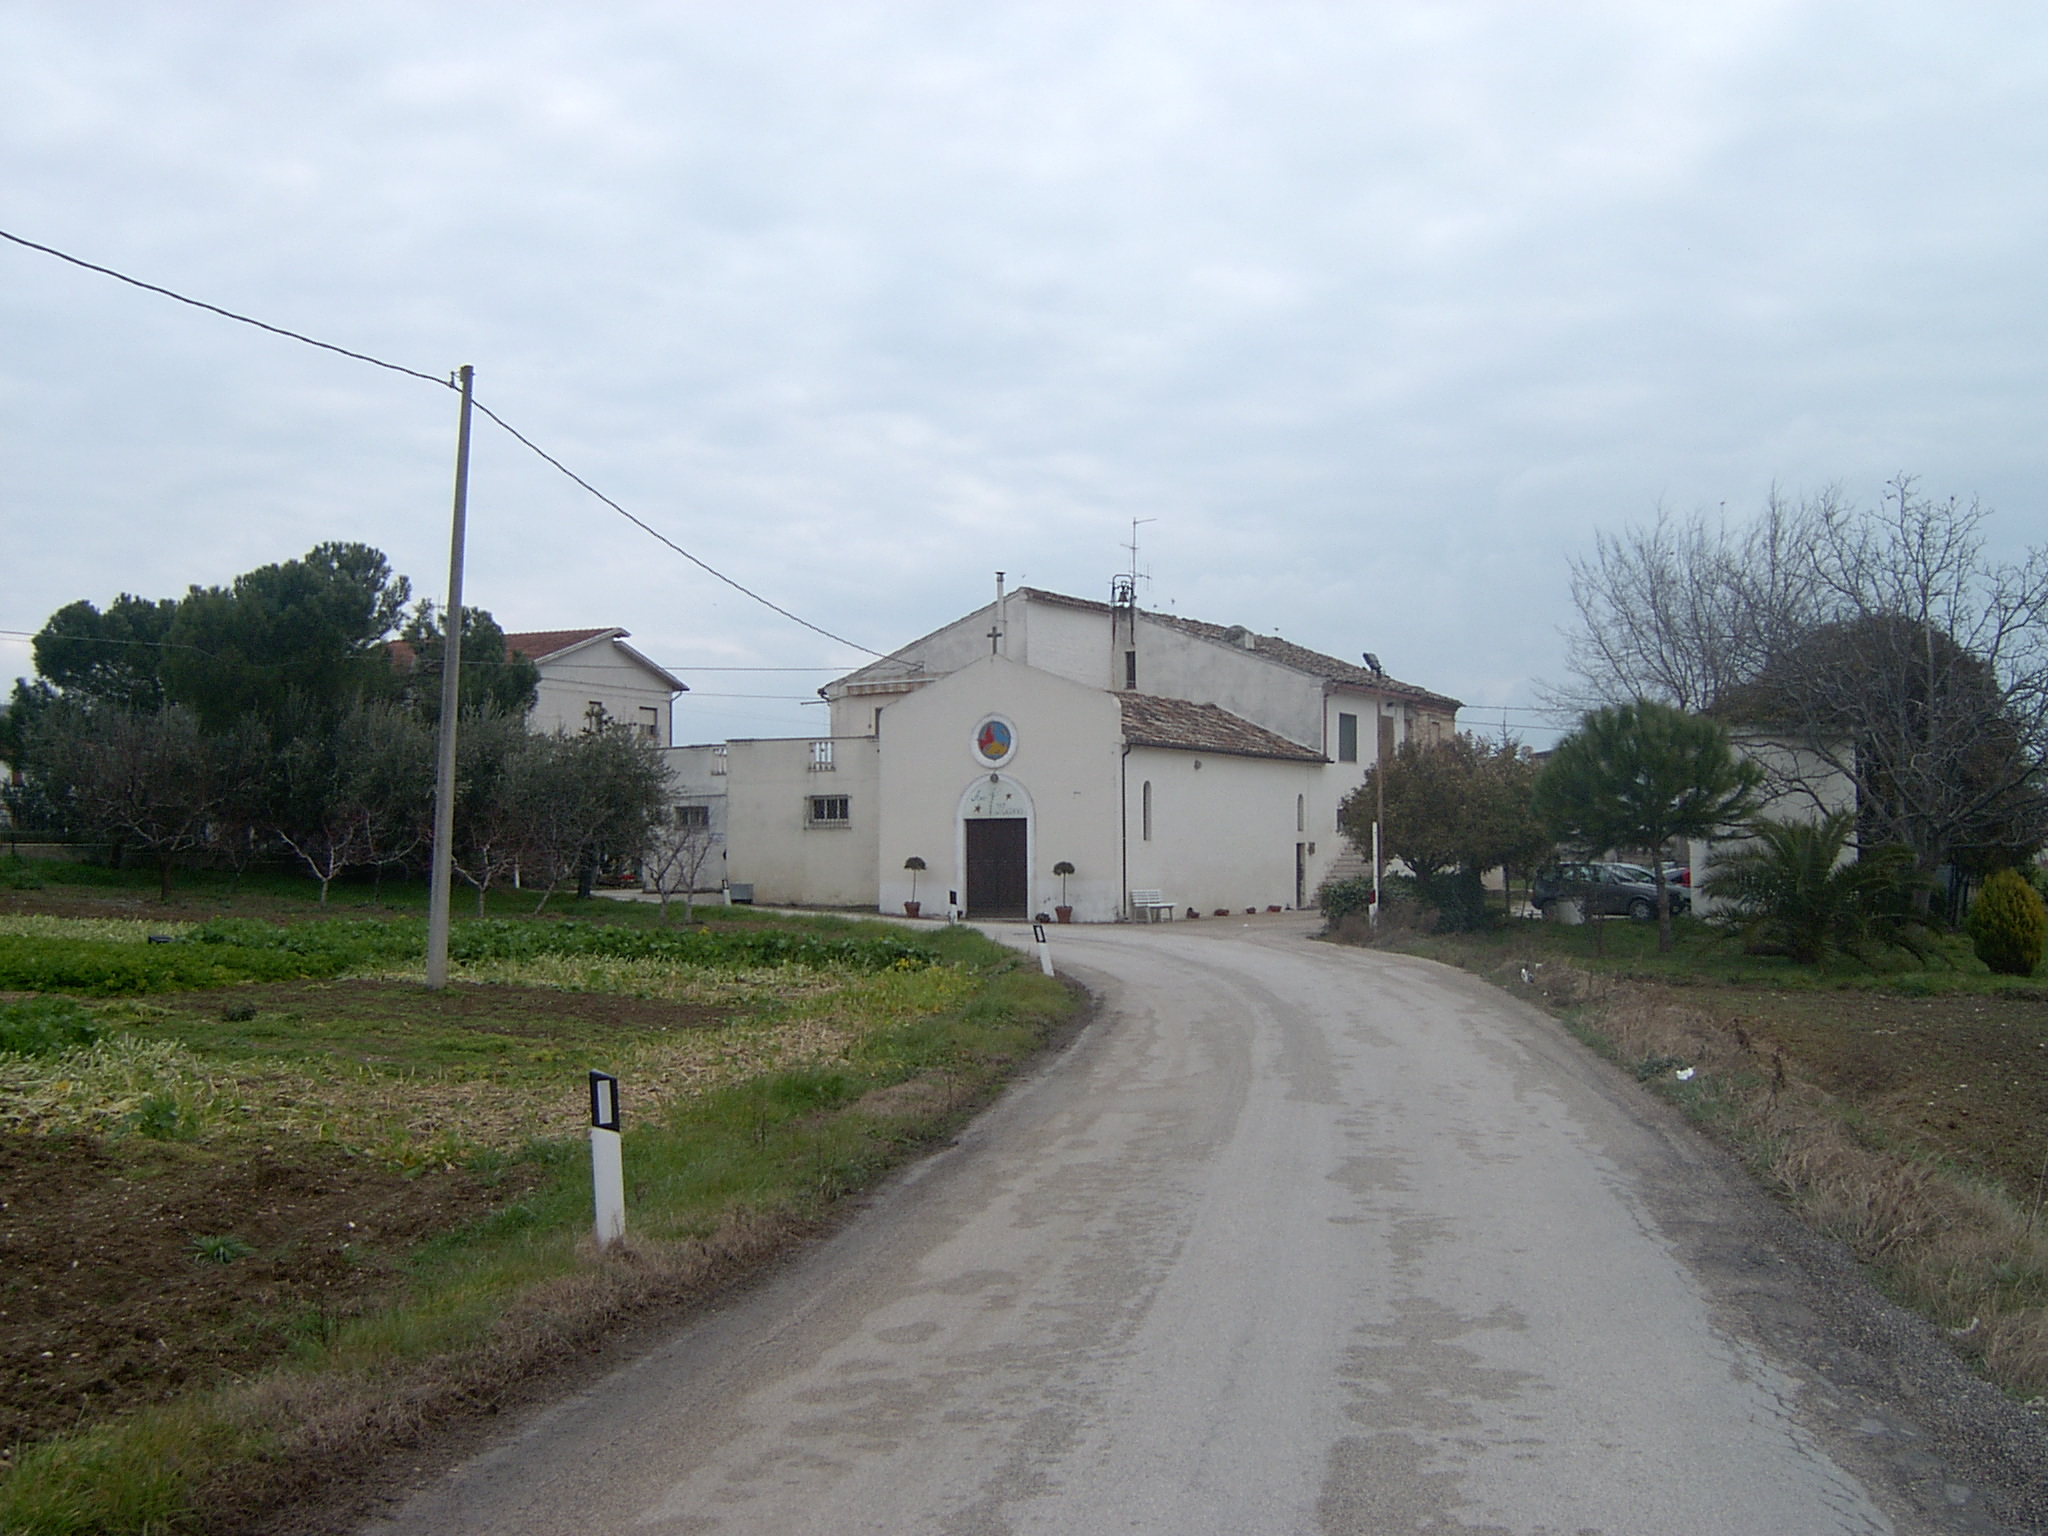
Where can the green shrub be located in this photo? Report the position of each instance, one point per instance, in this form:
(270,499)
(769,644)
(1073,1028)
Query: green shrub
(101,969)
(43,1026)
(16,874)
(2009,924)
(1459,900)
(1340,899)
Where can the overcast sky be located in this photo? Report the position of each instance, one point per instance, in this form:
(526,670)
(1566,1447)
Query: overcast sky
(1377,312)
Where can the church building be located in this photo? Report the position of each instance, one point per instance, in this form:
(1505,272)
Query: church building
(1198,766)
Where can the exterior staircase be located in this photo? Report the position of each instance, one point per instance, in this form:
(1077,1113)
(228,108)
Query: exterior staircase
(1350,864)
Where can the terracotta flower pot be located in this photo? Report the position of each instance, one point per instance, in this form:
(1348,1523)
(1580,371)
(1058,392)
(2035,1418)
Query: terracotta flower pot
(1064,914)
(912,908)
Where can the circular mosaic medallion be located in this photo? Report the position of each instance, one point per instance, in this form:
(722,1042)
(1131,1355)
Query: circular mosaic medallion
(995,739)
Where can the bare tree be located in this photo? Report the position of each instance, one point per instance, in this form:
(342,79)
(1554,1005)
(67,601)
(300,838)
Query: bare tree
(1685,610)
(679,846)
(1880,648)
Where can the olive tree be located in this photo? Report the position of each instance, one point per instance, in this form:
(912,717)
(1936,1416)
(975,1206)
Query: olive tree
(1453,810)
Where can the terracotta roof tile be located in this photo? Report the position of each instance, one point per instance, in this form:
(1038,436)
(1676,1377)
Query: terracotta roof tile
(540,644)
(1152,721)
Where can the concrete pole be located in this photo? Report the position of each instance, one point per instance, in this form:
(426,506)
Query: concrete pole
(451,707)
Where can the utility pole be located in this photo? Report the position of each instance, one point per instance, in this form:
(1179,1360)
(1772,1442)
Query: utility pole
(1379,811)
(451,708)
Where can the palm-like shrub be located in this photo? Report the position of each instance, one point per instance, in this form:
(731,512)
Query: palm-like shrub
(1790,892)
(2009,925)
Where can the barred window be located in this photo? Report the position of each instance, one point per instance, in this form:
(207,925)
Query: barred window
(829,811)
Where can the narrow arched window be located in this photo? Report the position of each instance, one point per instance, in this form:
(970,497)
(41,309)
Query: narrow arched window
(1147,798)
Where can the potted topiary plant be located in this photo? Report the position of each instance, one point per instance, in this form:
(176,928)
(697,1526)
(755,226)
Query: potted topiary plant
(1063,912)
(915,865)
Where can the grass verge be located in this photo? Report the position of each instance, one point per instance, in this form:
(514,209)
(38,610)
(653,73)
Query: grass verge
(789,1086)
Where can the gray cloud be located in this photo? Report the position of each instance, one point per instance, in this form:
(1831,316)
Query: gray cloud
(1379,312)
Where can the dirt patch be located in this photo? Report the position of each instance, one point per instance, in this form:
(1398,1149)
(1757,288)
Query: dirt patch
(1965,1076)
(110,1300)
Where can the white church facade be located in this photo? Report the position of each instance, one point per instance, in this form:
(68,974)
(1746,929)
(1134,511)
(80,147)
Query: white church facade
(1150,752)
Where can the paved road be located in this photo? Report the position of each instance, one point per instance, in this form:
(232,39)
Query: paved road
(1294,1239)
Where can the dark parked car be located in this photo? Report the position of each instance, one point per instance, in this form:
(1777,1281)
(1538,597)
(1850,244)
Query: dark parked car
(1610,890)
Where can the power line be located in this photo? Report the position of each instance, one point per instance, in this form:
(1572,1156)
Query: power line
(447,383)
(227,314)
(663,538)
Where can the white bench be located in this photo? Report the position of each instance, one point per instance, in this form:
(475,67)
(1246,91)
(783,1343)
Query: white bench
(1151,903)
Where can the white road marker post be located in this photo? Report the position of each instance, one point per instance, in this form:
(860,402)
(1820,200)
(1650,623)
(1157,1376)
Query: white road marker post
(1374,924)
(607,1166)
(1044,948)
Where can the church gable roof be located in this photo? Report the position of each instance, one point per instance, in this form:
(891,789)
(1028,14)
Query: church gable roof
(1178,724)
(1285,653)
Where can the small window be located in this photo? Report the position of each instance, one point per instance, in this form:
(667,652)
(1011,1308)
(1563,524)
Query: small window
(821,757)
(1301,813)
(1145,813)
(594,716)
(650,721)
(1347,738)
(693,815)
(718,759)
(830,811)
(1130,669)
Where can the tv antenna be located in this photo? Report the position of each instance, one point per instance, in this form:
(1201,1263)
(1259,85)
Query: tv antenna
(1137,575)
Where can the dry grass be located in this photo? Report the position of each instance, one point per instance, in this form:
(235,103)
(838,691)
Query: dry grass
(341,1423)
(1959,1248)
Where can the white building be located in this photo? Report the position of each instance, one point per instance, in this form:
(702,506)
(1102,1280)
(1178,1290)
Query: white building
(1151,752)
(585,672)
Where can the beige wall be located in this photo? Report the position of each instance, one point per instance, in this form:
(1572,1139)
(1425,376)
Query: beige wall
(599,672)
(1065,766)
(768,841)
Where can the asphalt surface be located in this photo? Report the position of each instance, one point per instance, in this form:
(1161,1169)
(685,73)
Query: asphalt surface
(1293,1239)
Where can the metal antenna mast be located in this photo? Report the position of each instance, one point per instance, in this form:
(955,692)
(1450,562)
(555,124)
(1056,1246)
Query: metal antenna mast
(1136,522)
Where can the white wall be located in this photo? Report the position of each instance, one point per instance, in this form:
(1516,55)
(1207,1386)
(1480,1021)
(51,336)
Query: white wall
(1798,786)
(1223,833)
(1184,666)
(1071,642)
(770,845)
(599,672)
(1068,742)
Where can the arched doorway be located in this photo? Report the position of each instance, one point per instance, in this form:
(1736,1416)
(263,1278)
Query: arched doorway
(995,849)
